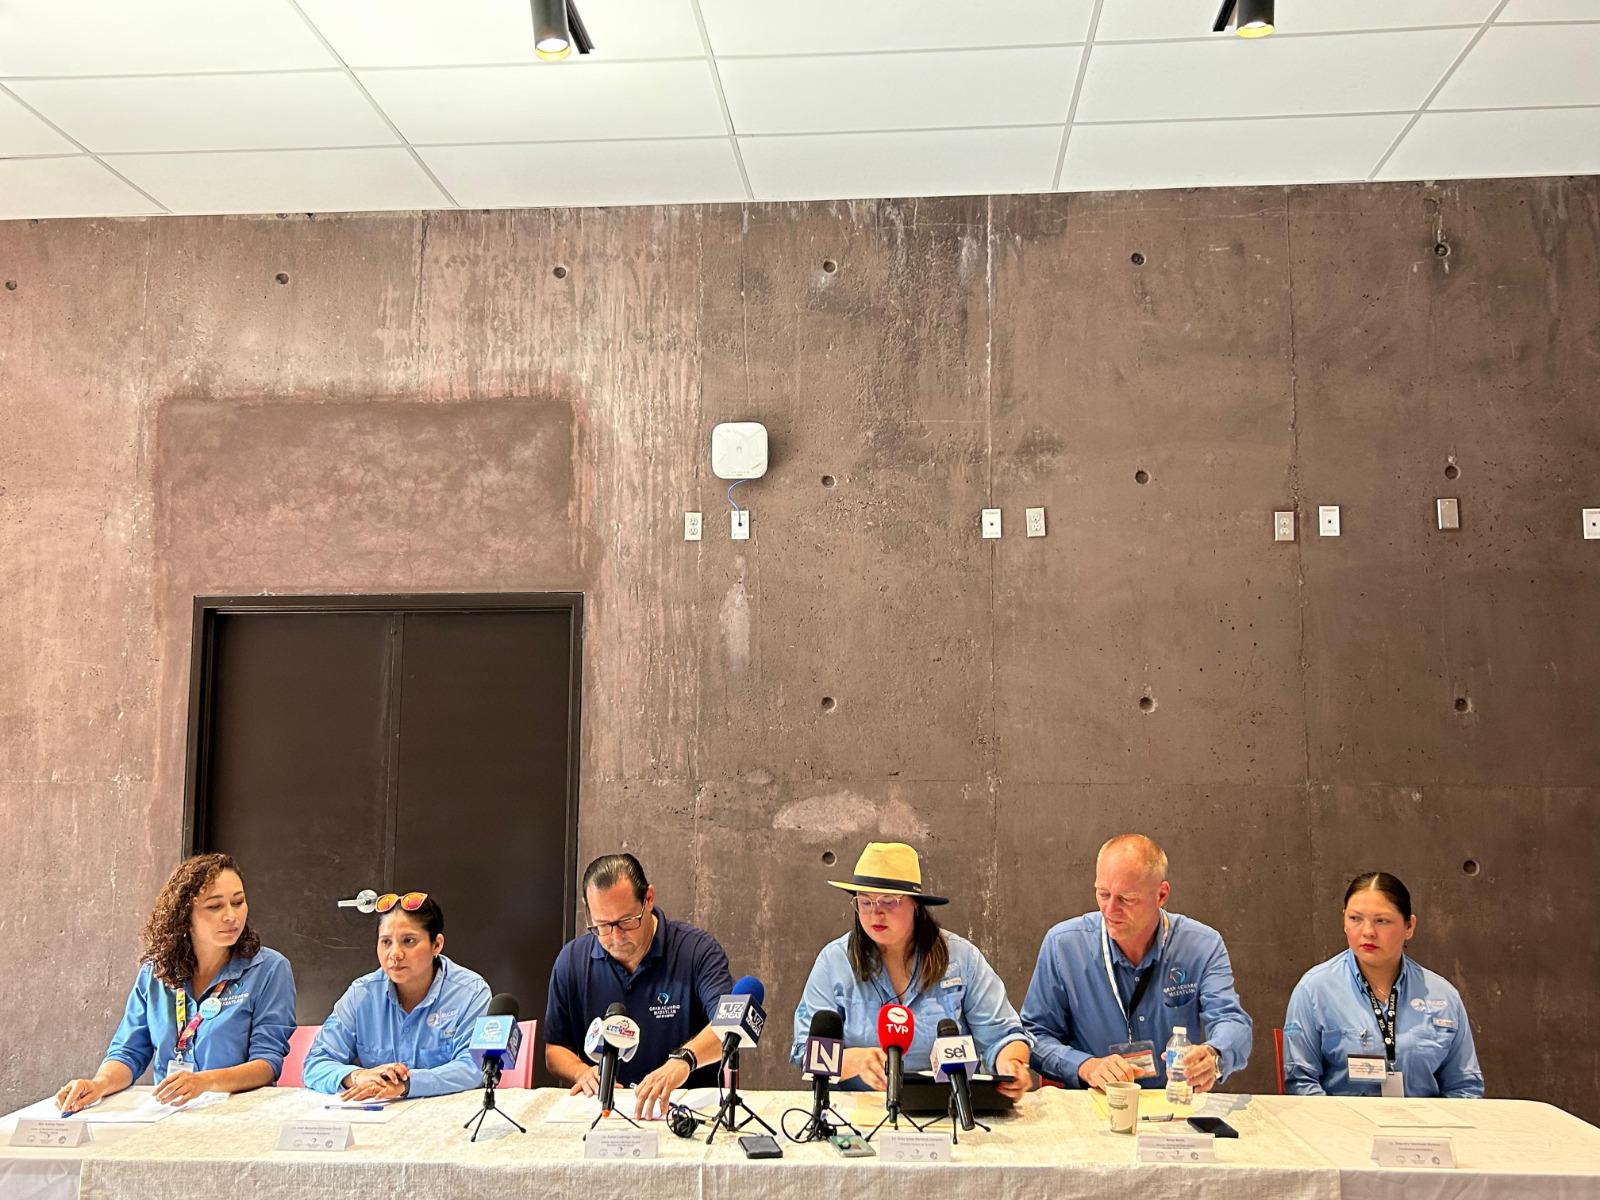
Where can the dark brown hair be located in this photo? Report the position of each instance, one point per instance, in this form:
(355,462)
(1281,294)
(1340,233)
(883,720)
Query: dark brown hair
(1385,885)
(927,939)
(168,946)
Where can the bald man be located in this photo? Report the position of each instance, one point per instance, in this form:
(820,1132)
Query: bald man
(1110,985)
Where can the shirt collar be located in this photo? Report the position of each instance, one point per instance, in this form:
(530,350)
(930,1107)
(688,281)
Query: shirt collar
(1405,980)
(1163,933)
(440,970)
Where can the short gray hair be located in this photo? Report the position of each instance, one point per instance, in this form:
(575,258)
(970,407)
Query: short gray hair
(1152,856)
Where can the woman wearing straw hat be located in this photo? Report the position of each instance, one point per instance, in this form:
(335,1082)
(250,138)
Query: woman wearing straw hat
(895,953)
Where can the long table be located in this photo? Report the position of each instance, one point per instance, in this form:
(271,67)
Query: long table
(1056,1145)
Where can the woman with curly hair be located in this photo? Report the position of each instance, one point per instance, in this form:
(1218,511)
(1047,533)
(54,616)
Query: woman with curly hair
(211,1007)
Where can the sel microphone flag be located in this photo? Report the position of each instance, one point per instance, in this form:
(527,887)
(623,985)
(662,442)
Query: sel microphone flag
(953,1061)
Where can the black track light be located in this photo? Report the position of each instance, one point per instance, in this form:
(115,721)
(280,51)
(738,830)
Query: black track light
(1255,18)
(558,30)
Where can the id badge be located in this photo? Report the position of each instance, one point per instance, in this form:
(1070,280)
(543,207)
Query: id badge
(1394,1084)
(1140,1055)
(1366,1070)
(179,1066)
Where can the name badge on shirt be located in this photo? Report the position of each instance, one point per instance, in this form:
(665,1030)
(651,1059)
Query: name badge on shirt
(1141,1057)
(1366,1070)
(1394,1085)
(179,1066)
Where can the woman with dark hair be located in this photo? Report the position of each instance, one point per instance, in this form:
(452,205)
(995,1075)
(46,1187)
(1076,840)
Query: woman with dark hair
(211,1006)
(1372,1021)
(403,1030)
(896,953)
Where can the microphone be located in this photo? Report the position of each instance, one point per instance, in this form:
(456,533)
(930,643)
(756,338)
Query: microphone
(739,1018)
(612,1038)
(824,1060)
(496,1038)
(953,1059)
(896,1027)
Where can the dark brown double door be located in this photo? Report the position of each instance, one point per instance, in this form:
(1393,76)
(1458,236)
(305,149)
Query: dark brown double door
(423,743)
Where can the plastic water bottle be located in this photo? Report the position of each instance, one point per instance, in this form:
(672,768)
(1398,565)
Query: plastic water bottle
(1178,1089)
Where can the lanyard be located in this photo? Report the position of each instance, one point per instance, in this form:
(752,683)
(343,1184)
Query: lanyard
(1385,1015)
(1141,979)
(187,1029)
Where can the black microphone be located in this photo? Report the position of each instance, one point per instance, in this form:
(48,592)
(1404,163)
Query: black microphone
(953,1056)
(824,1057)
(608,1063)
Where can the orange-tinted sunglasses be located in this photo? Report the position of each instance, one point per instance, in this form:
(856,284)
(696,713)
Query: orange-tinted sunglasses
(410,901)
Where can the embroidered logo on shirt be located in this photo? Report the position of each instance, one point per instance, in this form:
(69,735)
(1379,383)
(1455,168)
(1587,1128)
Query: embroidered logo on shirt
(1444,1022)
(437,1019)
(1176,976)
(227,1000)
(663,997)
(1421,1005)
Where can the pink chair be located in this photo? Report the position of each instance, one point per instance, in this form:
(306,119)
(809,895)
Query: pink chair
(521,1076)
(294,1062)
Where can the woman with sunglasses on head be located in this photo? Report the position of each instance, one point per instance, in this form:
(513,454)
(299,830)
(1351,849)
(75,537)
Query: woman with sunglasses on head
(896,953)
(212,1008)
(402,1030)
(1372,1020)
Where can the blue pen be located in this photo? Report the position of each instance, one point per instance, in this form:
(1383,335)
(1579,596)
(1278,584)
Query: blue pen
(357,1107)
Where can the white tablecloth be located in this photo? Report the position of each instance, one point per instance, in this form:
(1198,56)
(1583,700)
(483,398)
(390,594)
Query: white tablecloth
(1056,1146)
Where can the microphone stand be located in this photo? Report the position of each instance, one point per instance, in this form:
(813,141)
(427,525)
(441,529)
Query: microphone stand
(955,1125)
(733,1103)
(818,1128)
(892,1115)
(491,1080)
(610,1112)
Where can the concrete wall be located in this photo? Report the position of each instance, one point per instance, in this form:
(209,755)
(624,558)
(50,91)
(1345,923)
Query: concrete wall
(419,402)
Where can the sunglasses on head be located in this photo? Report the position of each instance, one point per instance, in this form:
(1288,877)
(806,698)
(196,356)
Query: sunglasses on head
(410,901)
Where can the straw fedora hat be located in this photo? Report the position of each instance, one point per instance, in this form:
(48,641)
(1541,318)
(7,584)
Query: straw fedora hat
(890,869)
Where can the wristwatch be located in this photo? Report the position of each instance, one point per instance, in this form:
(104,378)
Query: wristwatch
(686,1056)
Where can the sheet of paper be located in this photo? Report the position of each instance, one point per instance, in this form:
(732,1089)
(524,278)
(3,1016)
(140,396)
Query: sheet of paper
(1409,1114)
(135,1106)
(573,1110)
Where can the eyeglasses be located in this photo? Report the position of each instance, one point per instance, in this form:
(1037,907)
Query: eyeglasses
(410,902)
(885,904)
(626,925)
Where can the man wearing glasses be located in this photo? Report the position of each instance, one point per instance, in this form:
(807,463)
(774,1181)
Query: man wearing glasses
(666,973)
(1110,985)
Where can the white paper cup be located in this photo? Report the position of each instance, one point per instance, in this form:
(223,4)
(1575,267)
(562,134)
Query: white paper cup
(1123,1101)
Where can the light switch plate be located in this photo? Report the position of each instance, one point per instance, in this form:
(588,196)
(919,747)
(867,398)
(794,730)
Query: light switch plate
(692,524)
(1328,520)
(1283,526)
(1449,513)
(739,525)
(1035,522)
(991,523)
(1591,523)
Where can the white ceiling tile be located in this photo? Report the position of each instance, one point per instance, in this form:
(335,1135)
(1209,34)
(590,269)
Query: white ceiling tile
(1139,19)
(1549,10)
(209,112)
(23,133)
(1232,77)
(839,26)
(951,162)
(900,91)
(588,173)
(65,187)
(1226,153)
(422,33)
(124,37)
(1528,65)
(551,101)
(1469,145)
(284,181)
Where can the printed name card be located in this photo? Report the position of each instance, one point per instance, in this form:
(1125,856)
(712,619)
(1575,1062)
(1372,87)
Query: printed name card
(1391,1151)
(315,1135)
(913,1147)
(622,1141)
(1177,1147)
(52,1135)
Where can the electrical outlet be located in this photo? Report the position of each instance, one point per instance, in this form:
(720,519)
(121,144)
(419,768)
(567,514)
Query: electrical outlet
(991,523)
(740,520)
(1328,520)
(692,523)
(1449,513)
(1591,523)
(1035,522)
(1283,526)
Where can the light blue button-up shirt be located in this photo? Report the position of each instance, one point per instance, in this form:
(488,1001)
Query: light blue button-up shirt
(368,1028)
(970,994)
(1073,1016)
(256,1020)
(1330,1019)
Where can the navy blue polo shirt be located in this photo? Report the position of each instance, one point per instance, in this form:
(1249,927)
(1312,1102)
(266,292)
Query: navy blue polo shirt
(671,995)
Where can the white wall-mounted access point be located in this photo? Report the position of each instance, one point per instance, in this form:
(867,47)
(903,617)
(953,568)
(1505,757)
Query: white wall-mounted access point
(739,450)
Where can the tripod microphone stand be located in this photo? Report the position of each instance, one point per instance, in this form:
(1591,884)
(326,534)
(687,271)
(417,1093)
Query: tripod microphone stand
(733,1103)
(491,1080)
